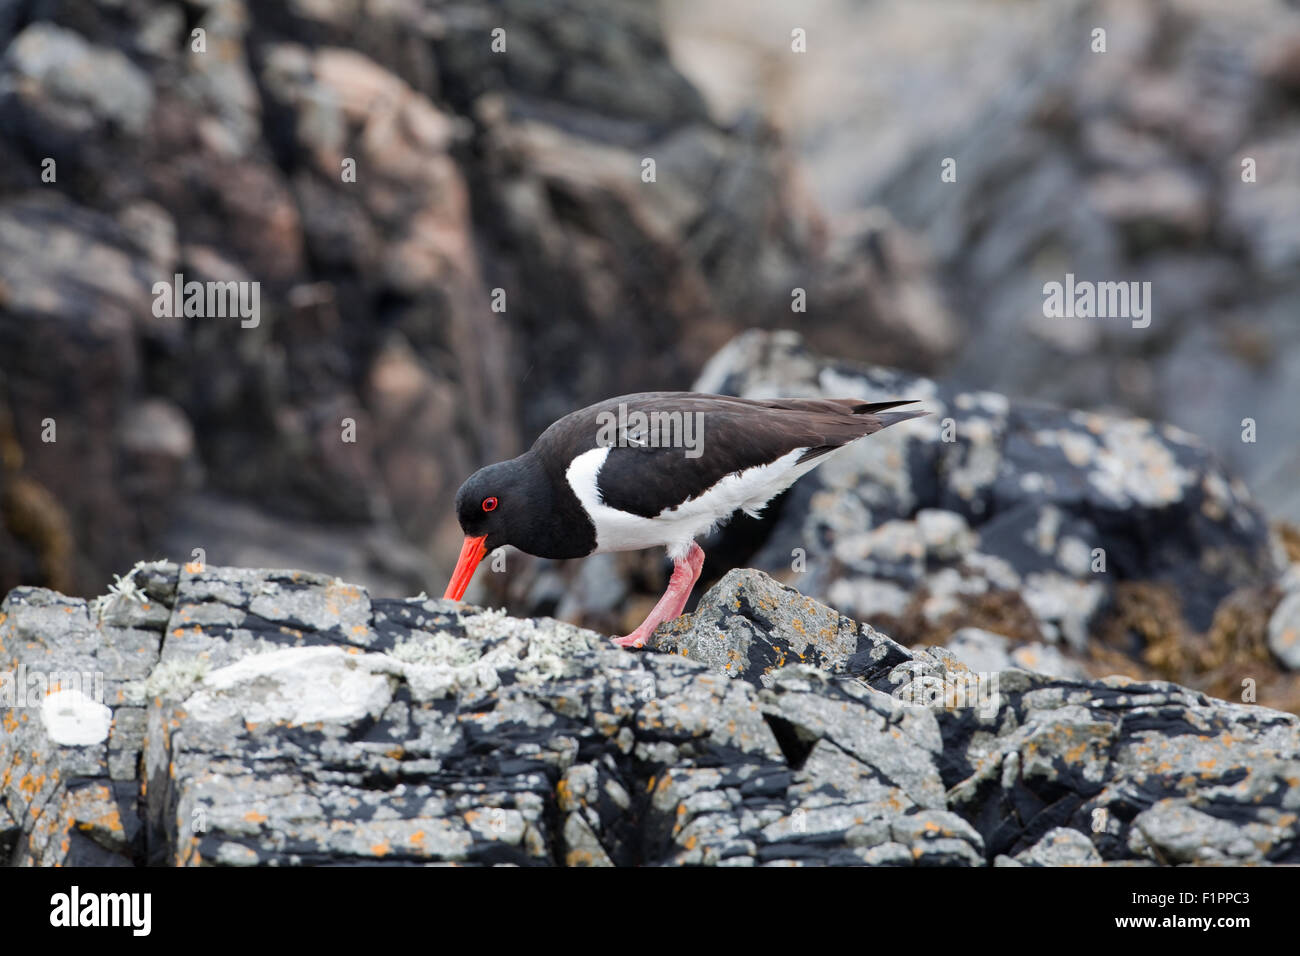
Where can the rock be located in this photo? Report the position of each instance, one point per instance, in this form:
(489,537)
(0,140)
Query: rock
(1168,200)
(73,86)
(986,501)
(278,717)
(945,534)
(1284,631)
(1046,659)
(1172,832)
(71,285)
(749,626)
(982,650)
(158,444)
(1060,847)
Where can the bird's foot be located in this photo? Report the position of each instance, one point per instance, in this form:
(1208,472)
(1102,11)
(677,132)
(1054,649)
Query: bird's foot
(685,573)
(634,640)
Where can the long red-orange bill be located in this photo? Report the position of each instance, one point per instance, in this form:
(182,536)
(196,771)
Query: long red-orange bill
(471,553)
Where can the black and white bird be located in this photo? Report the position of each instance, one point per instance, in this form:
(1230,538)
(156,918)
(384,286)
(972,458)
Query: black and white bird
(654,469)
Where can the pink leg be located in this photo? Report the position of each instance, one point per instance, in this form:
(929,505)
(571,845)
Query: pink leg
(685,573)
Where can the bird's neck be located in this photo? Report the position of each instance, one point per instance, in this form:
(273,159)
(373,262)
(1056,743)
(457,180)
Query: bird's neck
(555,524)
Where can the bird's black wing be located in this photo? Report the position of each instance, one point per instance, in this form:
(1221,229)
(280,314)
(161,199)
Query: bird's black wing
(653,464)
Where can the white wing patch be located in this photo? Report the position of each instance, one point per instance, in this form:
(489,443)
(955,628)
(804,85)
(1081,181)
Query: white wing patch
(675,528)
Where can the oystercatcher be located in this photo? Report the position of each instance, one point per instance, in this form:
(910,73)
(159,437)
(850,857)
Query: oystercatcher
(655,469)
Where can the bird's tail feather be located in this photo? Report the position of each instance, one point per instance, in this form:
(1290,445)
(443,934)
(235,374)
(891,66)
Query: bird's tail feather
(871,408)
(893,418)
(887,418)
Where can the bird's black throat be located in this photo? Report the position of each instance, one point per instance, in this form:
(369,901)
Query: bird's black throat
(554,523)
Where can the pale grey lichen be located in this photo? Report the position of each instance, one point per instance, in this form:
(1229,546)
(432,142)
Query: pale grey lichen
(975,462)
(173,677)
(439,663)
(1134,466)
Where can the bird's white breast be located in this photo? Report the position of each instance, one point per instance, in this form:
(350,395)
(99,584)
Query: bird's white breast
(675,528)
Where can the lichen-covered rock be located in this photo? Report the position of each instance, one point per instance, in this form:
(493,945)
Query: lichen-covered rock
(1059,847)
(1022,520)
(1284,631)
(982,650)
(59,81)
(69,778)
(258,717)
(750,626)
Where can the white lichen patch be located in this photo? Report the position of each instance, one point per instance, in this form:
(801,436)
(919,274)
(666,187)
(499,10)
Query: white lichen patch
(1036,483)
(298,685)
(1219,499)
(230,853)
(439,664)
(867,597)
(974,462)
(1043,536)
(947,589)
(1063,607)
(898,541)
(946,534)
(998,571)
(1133,466)
(1079,448)
(74,720)
(991,403)
(840,510)
(175,677)
(1075,556)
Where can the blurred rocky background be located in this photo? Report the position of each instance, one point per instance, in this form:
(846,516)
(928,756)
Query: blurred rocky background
(499,261)
(1122,165)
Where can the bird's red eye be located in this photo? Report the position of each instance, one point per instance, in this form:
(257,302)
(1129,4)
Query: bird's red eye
(489,504)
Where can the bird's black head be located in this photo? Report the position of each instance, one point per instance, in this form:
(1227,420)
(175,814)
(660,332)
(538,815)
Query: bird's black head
(489,501)
(494,506)
(515,502)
